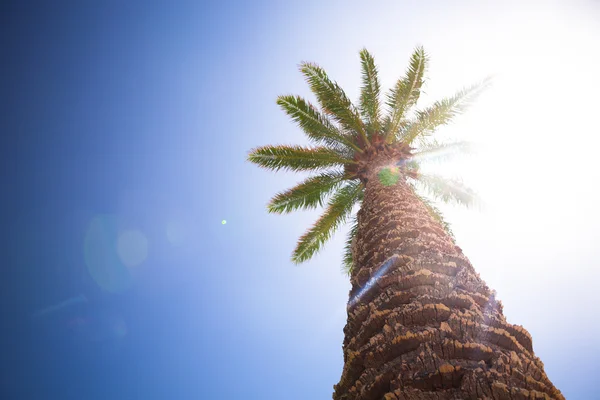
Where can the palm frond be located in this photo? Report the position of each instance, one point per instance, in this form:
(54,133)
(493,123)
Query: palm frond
(316,125)
(308,194)
(436,151)
(447,190)
(369,94)
(333,100)
(442,112)
(406,92)
(338,209)
(296,158)
(348,263)
(412,167)
(339,131)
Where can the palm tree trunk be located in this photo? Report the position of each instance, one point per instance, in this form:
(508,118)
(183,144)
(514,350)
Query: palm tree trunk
(421,322)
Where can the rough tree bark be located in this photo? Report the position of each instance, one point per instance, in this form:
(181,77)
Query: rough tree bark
(421,323)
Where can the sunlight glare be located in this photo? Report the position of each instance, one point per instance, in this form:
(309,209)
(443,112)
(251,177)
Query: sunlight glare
(372,281)
(539,106)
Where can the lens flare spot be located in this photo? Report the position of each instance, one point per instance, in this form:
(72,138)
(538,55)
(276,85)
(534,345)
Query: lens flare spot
(389,176)
(223,222)
(383,268)
(132,247)
(100,254)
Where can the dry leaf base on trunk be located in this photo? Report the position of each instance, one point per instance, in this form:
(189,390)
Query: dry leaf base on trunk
(421,323)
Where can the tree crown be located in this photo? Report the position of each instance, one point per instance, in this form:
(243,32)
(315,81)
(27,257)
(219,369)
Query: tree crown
(354,144)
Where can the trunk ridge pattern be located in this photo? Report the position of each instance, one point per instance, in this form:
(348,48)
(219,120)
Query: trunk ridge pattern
(421,322)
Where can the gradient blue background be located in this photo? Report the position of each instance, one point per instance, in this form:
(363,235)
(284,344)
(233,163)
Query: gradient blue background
(146,110)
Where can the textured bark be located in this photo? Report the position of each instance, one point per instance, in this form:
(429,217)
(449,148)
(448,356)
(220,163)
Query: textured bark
(421,323)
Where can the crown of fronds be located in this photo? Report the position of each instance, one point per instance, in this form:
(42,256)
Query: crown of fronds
(339,131)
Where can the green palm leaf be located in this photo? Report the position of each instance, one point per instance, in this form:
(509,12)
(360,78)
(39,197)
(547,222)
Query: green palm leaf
(333,100)
(348,264)
(406,92)
(447,190)
(316,125)
(436,151)
(338,209)
(442,112)
(296,158)
(306,195)
(369,95)
(342,134)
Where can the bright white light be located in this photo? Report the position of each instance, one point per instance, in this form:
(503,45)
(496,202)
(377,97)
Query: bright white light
(533,118)
(536,167)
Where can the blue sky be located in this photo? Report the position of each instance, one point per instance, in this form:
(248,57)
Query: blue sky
(141,116)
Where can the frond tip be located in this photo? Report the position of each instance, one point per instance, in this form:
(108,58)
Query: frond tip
(406,92)
(333,99)
(369,94)
(447,190)
(296,158)
(306,195)
(436,151)
(338,210)
(442,112)
(317,126)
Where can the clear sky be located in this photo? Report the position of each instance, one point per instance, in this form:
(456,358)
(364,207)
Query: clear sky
(125,129)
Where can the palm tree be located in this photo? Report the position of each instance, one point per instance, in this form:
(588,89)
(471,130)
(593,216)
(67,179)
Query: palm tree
(421,323)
